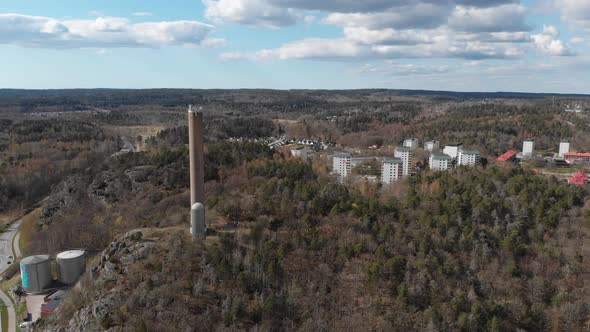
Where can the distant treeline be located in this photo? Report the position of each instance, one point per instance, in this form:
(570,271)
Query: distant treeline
(78,99)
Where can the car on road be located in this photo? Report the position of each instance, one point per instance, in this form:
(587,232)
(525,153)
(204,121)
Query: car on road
(26,326)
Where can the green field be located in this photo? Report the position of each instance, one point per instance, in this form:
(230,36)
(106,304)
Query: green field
(4,315)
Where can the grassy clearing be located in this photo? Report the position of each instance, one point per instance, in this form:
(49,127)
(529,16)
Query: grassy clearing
(9,217)
(6,285)
(28,228)
(4,314)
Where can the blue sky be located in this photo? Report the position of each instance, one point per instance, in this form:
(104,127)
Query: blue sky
(464,45)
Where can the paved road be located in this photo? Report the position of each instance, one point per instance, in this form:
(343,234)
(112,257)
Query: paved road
(16,245)
(7,258)
(11,311)
(6,253)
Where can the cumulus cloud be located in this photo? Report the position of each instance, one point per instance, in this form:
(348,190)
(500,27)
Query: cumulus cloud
(341,6)
(371,6)
(548,41)
(575,11)
(249,12)
(102,32)
(577,40)
(474,30)
(346,49)
(280,13)
(491,19)
(312,48)
(387,36)
(422,15)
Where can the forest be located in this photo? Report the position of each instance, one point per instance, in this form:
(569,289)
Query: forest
(490,248)
(475,249)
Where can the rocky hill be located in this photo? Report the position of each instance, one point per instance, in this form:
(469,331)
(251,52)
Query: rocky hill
(142,278)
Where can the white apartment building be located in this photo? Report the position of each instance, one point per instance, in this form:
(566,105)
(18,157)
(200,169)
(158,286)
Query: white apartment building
(391,170)
(564,147)
(452,150)
(405,154)
(528,147)
(411,143)
(432,146)
(440,162)
(468,158)
(342,164)
(299,152)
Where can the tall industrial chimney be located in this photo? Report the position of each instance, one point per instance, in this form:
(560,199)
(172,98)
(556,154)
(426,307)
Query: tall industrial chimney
(197,173)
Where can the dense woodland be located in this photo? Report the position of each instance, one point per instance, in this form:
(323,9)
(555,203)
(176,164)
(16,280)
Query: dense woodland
(494,248)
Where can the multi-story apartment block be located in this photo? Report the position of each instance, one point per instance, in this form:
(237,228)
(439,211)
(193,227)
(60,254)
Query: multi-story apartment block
(440,162)
(405,154)
(391,170)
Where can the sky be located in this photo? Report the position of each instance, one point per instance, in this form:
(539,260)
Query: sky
(459,45)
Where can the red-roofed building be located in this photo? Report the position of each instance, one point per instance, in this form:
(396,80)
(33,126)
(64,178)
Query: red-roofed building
(578,178)
(508,156)
(577,157)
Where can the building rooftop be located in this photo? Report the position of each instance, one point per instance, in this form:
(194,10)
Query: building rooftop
(455,144)
(403,149)
(433,141)
(342,155)
(441,156)
(392,161)
(471,152)
(35,259)
(578,178)
(529,140)
(508,155)
(70,254)
(577,154)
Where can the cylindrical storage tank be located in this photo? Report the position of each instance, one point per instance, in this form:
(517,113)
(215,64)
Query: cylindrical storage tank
(35,272)
(70,266)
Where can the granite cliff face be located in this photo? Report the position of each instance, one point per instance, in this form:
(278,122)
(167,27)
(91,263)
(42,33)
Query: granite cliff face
(108,187)
(106,276)
(134,284)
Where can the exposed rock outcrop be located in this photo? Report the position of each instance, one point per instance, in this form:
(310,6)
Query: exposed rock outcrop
(106,279)
(109,186)
(65,194)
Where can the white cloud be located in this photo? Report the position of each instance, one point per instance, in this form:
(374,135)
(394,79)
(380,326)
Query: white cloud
(369,13)
(492,19)
(102,32)
(341,6)
(441,46)
(473,30)
(575,11)
(386,36)
(548,42)
(249,12)
(577,40)
(371,6)
(422,15)
(313,48)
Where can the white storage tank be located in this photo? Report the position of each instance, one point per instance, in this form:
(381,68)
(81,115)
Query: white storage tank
(70,266)
(35,273)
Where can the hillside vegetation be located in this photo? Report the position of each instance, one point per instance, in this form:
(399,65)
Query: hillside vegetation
(475,249)
(495,248)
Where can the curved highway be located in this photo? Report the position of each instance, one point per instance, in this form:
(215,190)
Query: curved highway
(6,259)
